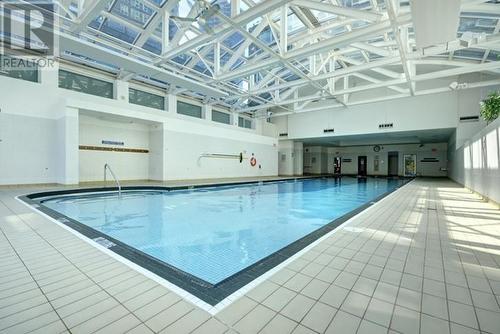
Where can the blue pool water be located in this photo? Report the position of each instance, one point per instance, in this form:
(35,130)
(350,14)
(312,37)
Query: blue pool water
(213,233)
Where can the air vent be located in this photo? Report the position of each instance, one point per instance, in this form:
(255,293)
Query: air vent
(469,119)
(385,125)
(284,134)
(429,160)
(328,130)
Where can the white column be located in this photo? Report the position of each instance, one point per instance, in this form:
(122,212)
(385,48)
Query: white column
(298,158)
(68,135)
(285,160)
(172,103)
(235,116)
(49,75)
(121,90)
(207,111)
(157,156)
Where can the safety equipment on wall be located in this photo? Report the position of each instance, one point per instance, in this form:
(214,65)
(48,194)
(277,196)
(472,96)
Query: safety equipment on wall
(253,161)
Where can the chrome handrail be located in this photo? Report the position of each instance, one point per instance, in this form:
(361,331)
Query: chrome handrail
(108,167)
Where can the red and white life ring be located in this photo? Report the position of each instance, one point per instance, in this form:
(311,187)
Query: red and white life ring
(253,161)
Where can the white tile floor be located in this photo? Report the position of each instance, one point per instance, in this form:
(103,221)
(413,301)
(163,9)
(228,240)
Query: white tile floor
(424,260)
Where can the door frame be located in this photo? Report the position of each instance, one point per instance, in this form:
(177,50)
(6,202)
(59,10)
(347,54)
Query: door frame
(389,155)
(365,159)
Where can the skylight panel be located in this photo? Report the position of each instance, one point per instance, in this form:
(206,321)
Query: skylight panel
(237,64)
(134,11)
(358,4)
(97,22)
(294,24)
(469,53)
(152,45)
(224,58)
(323,16)
(476,25)
(119,31)
(234,40)
(182,59)
(337,31)
(359,24)
(159,2)
(266,36)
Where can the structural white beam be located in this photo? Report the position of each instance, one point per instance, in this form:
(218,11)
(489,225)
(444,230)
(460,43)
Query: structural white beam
(374,49)
(339,10)
(165,32)
(259,10)
(241,49)
(388,98)
(420,77)
(105,55)
(217,58)
(284,30)
(400,34)
(324,45)
(373,80)
(161,16)
(455,45)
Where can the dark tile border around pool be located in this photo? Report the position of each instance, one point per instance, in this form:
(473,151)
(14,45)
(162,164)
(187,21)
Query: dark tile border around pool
(209,293)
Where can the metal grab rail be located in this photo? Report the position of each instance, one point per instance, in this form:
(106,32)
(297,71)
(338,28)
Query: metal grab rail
(108,167)
(239,157)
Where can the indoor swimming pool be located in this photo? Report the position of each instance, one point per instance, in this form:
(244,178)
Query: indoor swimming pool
(218,236)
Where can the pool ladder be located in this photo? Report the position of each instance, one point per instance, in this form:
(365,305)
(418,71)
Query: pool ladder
(108,167)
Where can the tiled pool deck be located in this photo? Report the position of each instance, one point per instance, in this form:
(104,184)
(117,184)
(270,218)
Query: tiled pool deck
(425,259)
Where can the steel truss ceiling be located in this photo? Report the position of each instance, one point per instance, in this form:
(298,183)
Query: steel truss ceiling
(287,55)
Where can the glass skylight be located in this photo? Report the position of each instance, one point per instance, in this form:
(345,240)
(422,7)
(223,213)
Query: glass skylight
(127,26)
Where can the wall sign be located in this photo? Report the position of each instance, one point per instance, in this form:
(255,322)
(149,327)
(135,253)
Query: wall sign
(347,160)
(112,142)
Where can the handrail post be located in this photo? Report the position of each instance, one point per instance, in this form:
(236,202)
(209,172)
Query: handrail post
(108,167)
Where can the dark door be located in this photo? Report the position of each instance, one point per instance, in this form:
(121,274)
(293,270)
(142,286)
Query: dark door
(362,165)
(393,169)
(337,165)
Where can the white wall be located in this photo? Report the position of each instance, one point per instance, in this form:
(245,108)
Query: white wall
(315,160)
(290,157)
(126,165)
(476,163)
(39,138)
(436,111)
(436,150)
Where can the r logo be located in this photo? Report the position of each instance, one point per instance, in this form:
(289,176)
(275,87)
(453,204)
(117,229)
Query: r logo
(27,28)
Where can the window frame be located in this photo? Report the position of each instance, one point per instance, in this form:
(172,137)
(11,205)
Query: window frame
(189,102)
(245,119)
(147,93)
(7,73)
(222,112)
(87,75)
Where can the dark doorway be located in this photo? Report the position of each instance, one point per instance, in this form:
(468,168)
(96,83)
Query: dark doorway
(362,165)
(393,164)
(337,166)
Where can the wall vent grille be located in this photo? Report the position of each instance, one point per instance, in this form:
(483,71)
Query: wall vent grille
(385,125)
(284,134)
(328,130)
(469,119)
